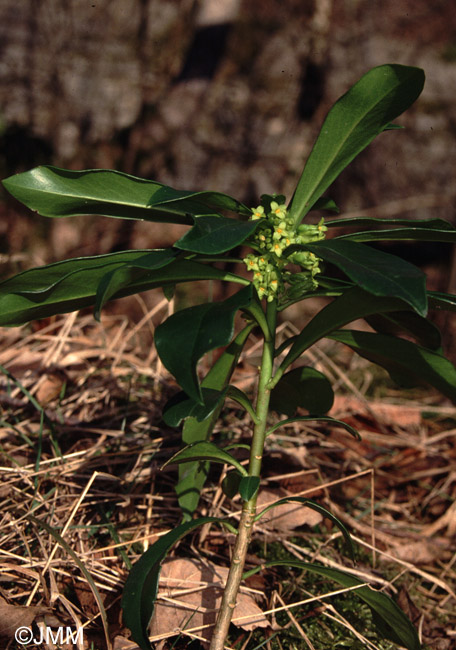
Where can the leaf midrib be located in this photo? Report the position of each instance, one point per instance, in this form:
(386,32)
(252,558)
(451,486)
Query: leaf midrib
(343,142)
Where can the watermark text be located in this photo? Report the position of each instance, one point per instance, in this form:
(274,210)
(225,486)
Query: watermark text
(57,636)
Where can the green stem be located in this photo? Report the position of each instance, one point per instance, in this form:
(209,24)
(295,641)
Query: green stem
(249,507)
(262,405)
(256,311)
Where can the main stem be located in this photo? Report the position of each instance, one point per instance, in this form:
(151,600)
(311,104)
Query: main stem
(249,507)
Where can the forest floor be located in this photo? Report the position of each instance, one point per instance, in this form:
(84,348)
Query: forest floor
(83,495)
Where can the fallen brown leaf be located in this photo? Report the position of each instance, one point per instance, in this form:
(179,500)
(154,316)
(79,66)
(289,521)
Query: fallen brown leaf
(408,606)
(50,386)
(190,595)
(121,643)
(285,517)
(426,551)
(13,617)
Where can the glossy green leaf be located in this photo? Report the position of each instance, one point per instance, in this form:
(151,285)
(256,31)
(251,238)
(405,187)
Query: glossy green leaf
(124,276)
(169,291)
(192,475)
(313,418)
(398,323)
(231,482)
(375,271)
(305,388)
(313,505)
(441,300)
(419,224)
(212,235)
(328,288)
(248,487)
(205,451)
(140,591)
(407,363)
(352,304)
(72,284)
(266,199)
(395,624)
(59,287)
(352,123)
(325,203)
(403,234)
(55,192)
(242,399)
(237,445)
(181,406)
(188,334)
(393,127)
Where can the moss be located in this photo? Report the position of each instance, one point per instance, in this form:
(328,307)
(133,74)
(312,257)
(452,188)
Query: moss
(323,632)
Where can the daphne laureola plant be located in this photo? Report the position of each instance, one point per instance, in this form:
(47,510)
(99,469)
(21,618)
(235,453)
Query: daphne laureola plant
(281,264)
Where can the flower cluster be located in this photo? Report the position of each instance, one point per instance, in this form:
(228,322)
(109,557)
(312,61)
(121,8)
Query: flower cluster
(274,235)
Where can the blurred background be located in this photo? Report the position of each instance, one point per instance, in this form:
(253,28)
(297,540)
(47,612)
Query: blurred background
(226,95)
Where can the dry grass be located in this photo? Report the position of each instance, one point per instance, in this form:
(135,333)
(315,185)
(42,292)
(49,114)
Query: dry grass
(82,444)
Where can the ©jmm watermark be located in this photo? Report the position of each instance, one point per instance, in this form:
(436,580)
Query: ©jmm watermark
(59,635)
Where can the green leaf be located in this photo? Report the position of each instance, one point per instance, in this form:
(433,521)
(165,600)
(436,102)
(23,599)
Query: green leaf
(354,303)
(312,418)
(395,624)
(393,127)
(72,284)
(325,203)
(396,323)
(352,123)
(140,591)
(231,482)
(242,399)
(302,388)
(408,364)
(55,192)
(169,291)
(375,271)
(266,200)
(308,503)
(188,334)
(124,276)
(441,300)
(212,235)
(205,451)
(192,475)
(59,287)
(248,487)
(403,234)
(419,224)
(182,406)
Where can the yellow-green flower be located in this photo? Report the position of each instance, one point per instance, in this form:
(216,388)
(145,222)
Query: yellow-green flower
(278,210)
(251,262)
(258,212)
(277,250)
